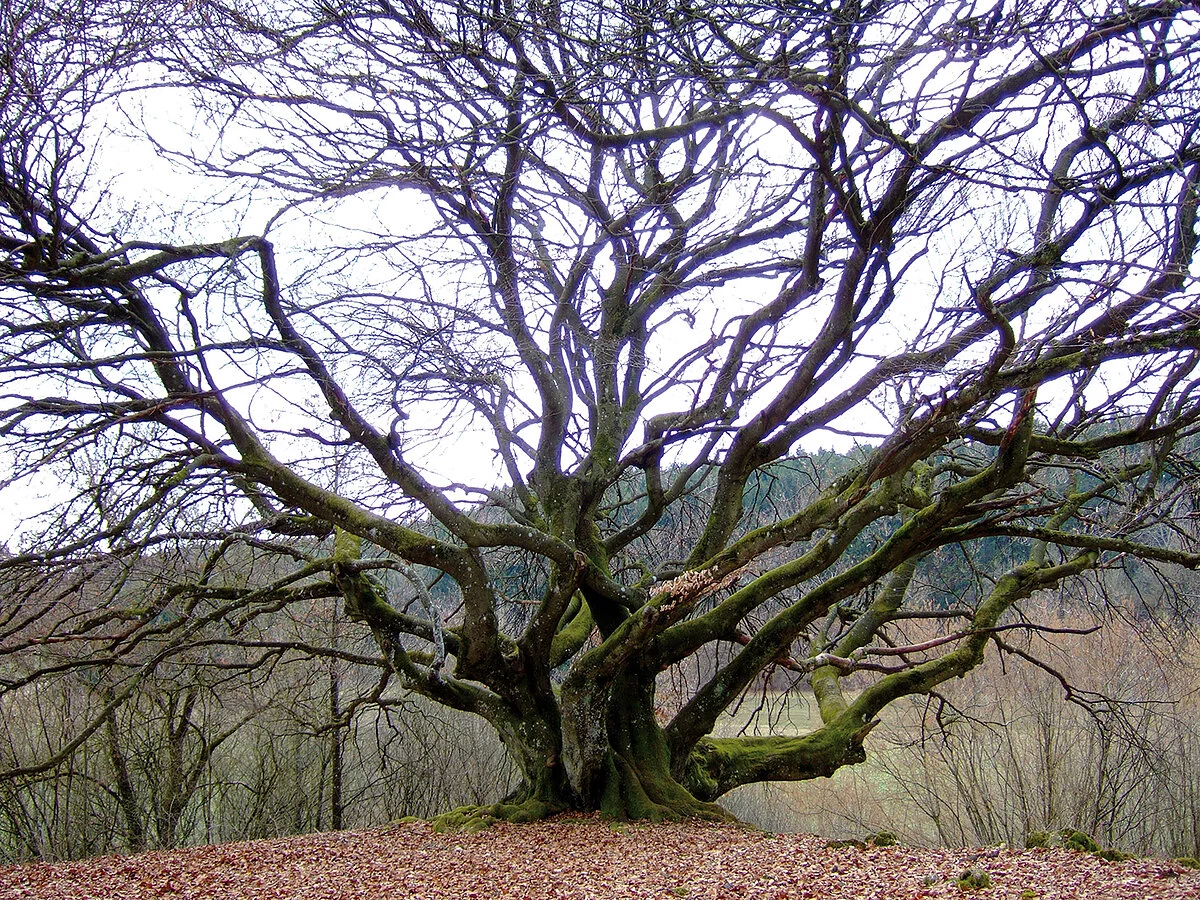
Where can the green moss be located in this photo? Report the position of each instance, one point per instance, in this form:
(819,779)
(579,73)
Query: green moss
(476,818)
(625,797)
(826,687)
(648,793)
(1078,840)
(576,628)
(718,765)
(347,547)
(1073,839)
(1066,839)
(1189,861)
(973,879)
(882,839)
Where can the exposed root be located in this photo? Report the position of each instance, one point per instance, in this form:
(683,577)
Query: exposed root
(477,818)
(636,795)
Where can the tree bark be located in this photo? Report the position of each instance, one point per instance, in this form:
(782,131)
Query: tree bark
(336,803)
(135,831)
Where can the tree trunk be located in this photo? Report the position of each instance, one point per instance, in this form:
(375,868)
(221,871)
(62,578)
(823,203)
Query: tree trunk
(616,754)
(135,832)
(603,752)
(535,744)
(336,774)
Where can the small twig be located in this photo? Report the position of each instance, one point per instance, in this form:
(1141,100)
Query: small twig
(855,662)
(958,635)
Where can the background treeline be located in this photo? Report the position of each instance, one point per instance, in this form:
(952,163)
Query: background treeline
(280,722)
(189,762)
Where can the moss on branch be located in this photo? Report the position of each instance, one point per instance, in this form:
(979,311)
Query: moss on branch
(718,765)
(573,634)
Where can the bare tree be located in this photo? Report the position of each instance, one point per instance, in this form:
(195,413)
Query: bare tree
(637,255)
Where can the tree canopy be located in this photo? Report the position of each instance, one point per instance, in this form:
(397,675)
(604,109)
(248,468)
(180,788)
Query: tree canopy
(501,322)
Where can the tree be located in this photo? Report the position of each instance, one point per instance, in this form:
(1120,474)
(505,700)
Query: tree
(645,257)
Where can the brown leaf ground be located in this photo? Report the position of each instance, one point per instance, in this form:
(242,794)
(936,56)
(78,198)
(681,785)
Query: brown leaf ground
(586,858)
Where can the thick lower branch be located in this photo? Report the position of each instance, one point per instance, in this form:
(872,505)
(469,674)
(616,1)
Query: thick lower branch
(718,765)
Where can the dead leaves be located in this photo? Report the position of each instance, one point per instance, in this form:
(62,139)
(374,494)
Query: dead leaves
(588,859)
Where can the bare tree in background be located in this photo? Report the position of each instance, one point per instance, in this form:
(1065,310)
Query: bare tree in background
(637,255)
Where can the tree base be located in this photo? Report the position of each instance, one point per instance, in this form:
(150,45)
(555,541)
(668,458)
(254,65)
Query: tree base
(630,795)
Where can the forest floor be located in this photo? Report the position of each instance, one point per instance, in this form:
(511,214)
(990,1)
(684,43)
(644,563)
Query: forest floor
(588,858)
